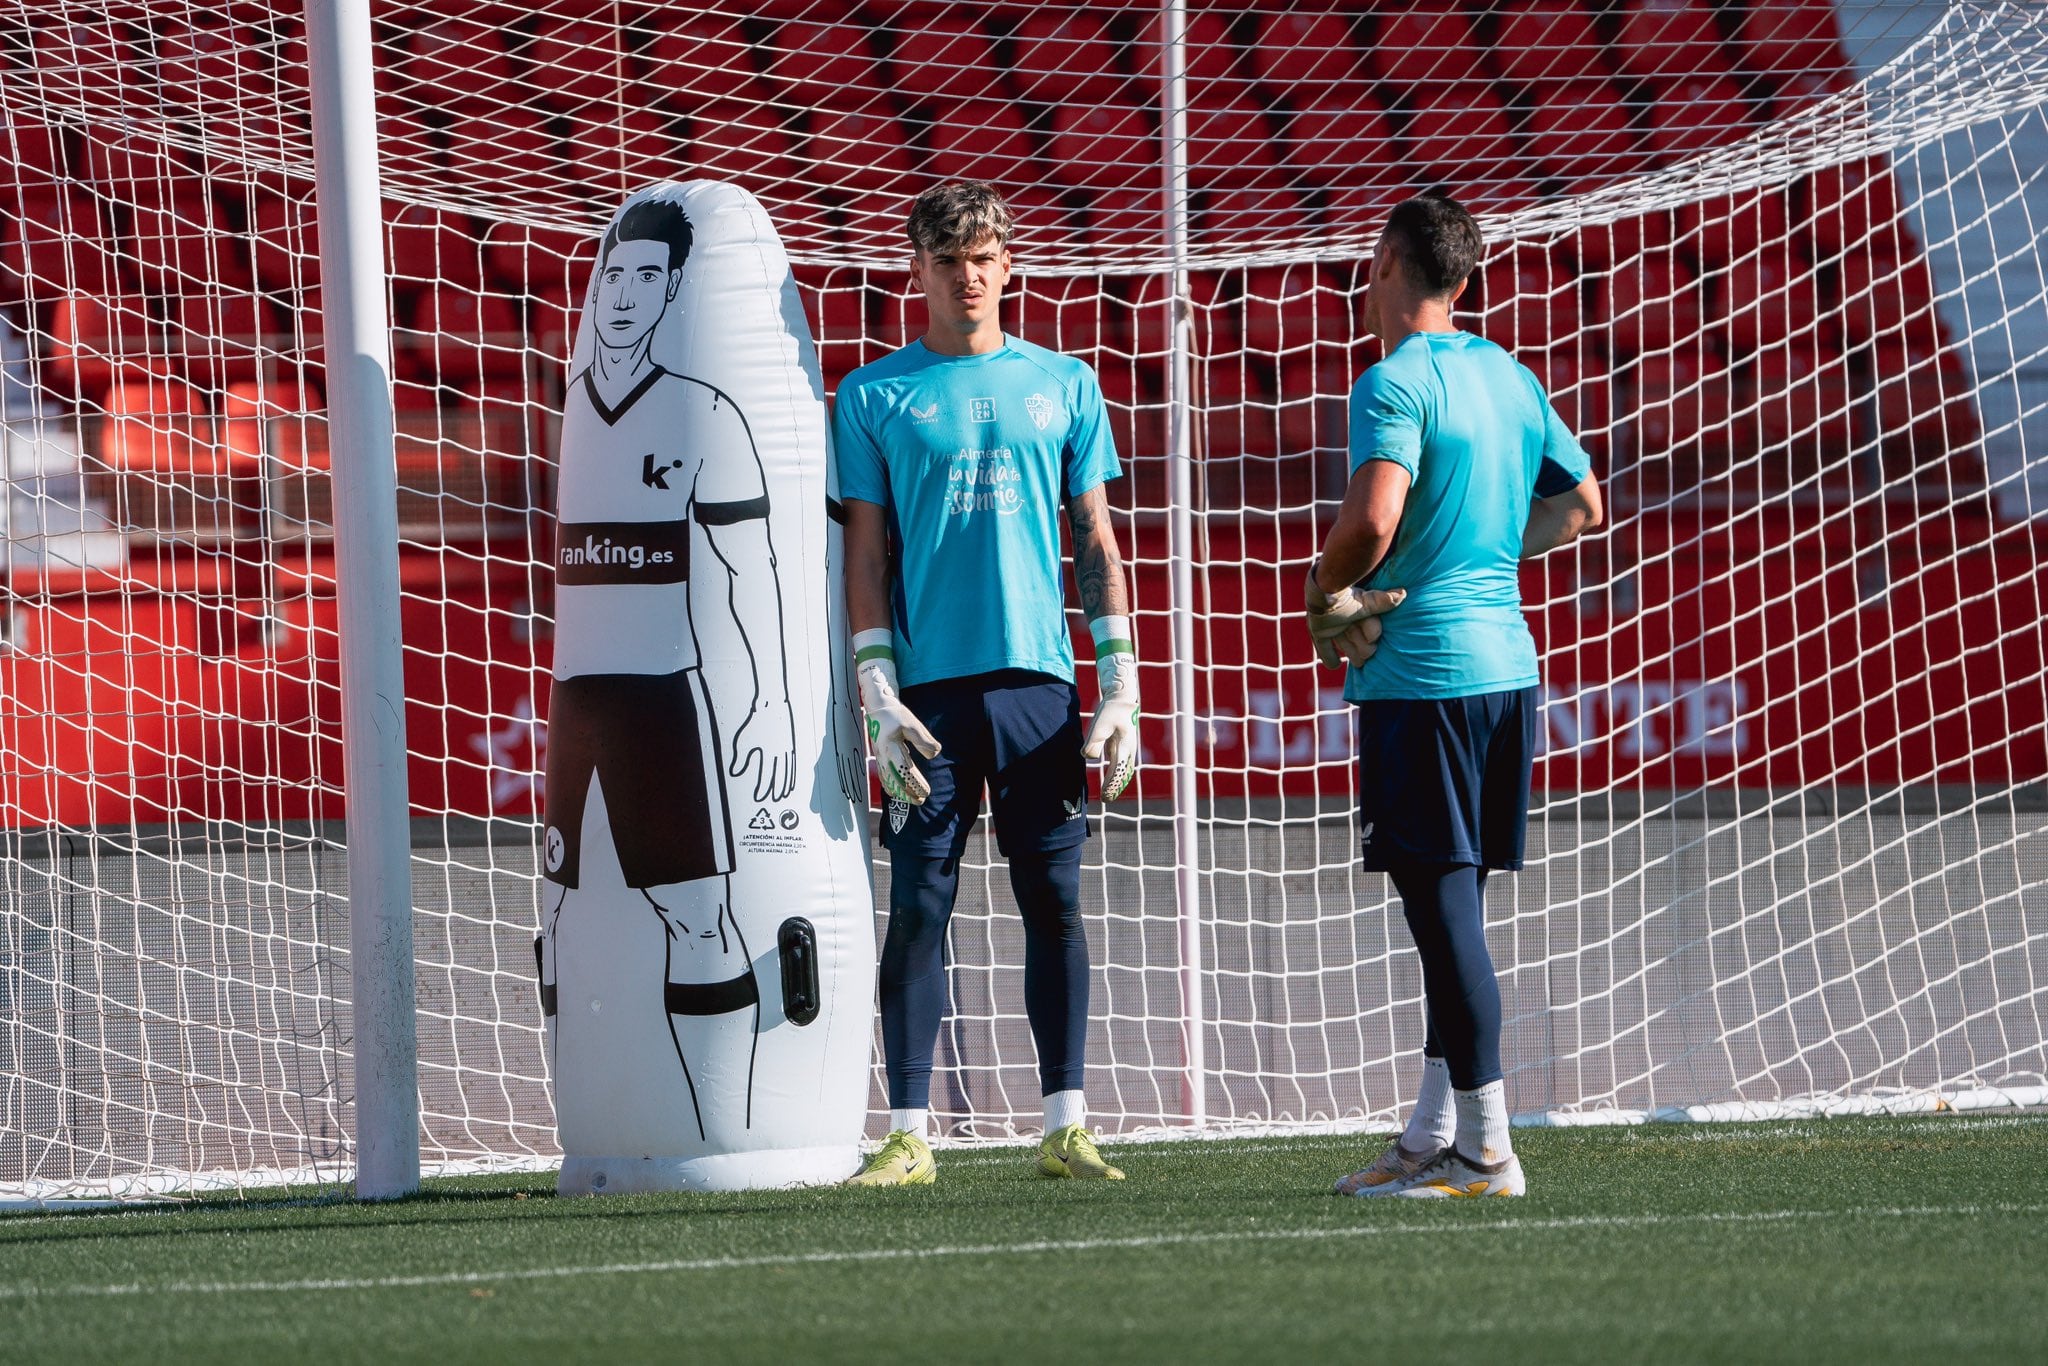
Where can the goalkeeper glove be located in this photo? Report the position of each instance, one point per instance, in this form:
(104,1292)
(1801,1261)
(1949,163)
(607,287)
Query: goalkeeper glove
(893,729)
(1345,625)
(1113,738)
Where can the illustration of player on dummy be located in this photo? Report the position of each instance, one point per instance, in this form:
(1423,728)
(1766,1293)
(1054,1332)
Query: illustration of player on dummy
(632,725)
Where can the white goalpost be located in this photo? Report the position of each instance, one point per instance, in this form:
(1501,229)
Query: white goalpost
(1778,261)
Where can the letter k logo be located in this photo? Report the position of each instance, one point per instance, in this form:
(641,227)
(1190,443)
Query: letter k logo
(656,476)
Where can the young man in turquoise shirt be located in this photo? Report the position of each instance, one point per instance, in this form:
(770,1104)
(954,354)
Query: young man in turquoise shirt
(1460,469)
(956,456)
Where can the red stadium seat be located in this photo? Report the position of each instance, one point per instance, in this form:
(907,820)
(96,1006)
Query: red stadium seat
(864,152)
(1695,113)
(1604,244)
(1682,402)
(1231,147)
(515,137)
(826,64)
(1766,295)
(34,151)
(1420,51)
(1578,386)
(1724,228)
(1787,37)
(1105,146)
(551,328)
(1049,219)
(1236,394)
(223,336)
(1131,210)
(1529,302)
(1650,303)
(1850,205)
(1579,133)
(459,56)
(577,64)
(405,138)
(431,247)
(1347,146)
(1464,138)
(460,338)
(1068,313)
(54,246)
(96,337)
(695,56)
(543,262)
(993,145)
(136,172)
(1291,308)
(650,147)
(1669,38)
(1538,43)
(1924,410)
(942,59)
(1059,57)
(152,426)
(1887,300)
(187,248)
(744,143)
(1252,218)
(837,304)
(1314,57)
(1800,393)
(212,65)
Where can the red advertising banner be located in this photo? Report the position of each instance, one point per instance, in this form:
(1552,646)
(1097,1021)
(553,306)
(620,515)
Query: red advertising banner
(1764,651)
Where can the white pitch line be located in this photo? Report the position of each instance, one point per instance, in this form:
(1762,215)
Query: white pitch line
(553,1273)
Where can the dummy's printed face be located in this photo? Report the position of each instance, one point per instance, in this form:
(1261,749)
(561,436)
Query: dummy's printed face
(963,288)
(633,290)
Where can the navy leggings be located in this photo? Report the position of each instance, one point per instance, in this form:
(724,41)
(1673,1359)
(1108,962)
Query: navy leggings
(913,968)
(1445,905)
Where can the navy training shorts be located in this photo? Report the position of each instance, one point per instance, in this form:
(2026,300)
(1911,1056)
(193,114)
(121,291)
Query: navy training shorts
(1446,780)
(1015,732)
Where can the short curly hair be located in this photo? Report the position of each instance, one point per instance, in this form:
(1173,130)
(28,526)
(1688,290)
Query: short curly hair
(1439,243)
(957,214)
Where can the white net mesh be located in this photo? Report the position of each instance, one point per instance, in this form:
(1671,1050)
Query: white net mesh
(1778,263)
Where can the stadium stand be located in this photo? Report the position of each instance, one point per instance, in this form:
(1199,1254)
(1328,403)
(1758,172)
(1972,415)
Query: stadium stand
(1728,336)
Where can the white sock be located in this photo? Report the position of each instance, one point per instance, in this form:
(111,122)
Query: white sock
(1063,1108)
(1483,1124)
(916,1122)
(1433,1123)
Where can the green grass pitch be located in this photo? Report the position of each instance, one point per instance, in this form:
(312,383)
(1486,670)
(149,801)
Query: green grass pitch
(1825,1240)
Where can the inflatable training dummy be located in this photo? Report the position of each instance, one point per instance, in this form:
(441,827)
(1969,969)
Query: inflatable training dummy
(707,944)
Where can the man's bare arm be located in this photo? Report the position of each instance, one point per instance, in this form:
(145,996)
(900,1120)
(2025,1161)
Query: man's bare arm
(867,566)
(1366,523)
(1560,520)
(1098,568)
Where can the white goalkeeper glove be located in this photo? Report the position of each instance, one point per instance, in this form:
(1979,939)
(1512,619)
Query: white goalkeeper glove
(1113,738)
(893,729)
(1345,625)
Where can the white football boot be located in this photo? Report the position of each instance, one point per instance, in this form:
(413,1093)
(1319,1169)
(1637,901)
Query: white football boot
(1450,1176)
(1393,1171)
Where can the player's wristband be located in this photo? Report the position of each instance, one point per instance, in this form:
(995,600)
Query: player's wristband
(872,645)
(1113,637)
(1116,656)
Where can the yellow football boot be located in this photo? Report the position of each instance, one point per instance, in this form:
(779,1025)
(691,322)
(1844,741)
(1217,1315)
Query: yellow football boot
(904,1159)
(1072,1153)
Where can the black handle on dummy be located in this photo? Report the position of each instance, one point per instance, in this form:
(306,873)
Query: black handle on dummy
(798,943)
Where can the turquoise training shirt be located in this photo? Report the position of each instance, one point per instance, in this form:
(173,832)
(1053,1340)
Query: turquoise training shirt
(1480,442)
(973,457)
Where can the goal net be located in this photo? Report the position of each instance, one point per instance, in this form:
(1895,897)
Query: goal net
(1777,261)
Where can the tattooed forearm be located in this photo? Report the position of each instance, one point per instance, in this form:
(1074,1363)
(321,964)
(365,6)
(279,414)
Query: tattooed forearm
(1098,568)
